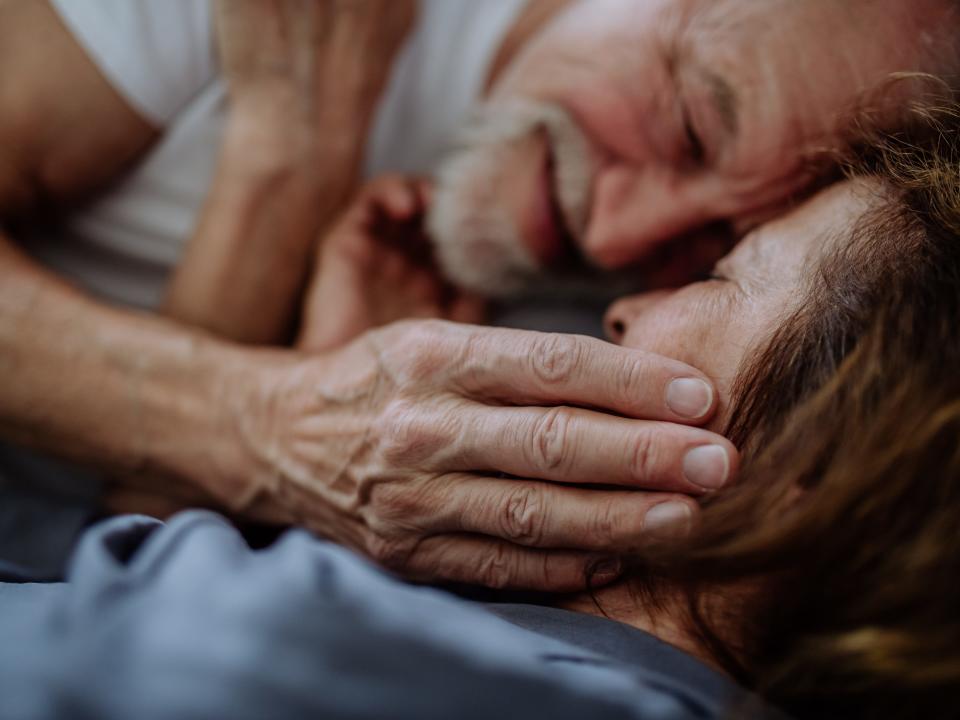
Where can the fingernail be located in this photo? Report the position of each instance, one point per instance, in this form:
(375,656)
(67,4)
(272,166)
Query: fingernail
(668,520)
(689,397)
(707,466)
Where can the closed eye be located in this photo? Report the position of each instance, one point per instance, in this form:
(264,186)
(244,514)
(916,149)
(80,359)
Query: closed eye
(695,148)
(712,276)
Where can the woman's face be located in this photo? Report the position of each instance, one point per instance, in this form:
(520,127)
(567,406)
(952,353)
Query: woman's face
(715,324)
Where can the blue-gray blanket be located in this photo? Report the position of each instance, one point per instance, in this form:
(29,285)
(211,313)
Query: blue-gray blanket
(184,620)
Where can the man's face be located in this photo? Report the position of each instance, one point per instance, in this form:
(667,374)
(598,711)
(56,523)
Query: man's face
(628,128)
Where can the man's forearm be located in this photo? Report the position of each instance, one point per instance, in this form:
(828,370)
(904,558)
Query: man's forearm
(129,393)
(245,268)
(304,80)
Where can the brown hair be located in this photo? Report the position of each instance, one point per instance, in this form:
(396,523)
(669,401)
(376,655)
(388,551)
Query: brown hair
(847,515)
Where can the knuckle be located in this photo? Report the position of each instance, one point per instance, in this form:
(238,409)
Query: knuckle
(550,445)
(392,504)
(555,357)
(390,552)
(633,376)
(421,348)
(562,575)
(550,576)
(605,528)
(494,569)
(476,363)
(408,434)
(399,425)
(522,518)
(644,458)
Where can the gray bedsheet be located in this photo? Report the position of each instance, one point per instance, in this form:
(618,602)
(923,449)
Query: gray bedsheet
(44,507)
(186,621)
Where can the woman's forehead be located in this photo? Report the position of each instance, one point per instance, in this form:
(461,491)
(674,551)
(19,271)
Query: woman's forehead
(803,234)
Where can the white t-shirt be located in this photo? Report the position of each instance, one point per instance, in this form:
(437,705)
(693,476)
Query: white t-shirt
(160,55)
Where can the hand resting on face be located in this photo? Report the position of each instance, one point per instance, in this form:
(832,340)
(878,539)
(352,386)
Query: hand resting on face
(375,267)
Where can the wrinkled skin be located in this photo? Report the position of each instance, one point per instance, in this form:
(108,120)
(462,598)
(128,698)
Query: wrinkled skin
(445,451)
(410,445)
(407,491)
(716,323)
(660,130)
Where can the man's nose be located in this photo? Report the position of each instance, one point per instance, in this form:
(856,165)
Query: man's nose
(621,314)
(638,210)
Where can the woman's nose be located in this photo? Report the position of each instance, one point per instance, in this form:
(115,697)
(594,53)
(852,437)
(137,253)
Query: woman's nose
(614,323)
(622,314)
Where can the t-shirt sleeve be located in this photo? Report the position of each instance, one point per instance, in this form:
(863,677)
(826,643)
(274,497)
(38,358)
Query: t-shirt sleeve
(157,53)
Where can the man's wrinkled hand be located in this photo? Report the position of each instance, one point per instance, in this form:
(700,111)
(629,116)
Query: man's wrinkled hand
(498,457)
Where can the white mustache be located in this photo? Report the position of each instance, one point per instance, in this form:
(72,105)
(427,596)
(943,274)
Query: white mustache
(477,242)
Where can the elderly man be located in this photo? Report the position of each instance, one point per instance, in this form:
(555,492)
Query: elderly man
(610,127)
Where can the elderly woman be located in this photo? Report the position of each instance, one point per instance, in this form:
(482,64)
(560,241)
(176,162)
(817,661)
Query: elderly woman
(826,582)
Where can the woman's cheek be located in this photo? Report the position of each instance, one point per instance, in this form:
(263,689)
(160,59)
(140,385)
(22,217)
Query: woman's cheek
(664,333)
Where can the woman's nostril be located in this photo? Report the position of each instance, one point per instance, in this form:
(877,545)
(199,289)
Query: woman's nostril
(618,328)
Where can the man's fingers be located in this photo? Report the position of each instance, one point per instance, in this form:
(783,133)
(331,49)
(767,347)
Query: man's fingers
(565,444)
(524,368)
(541,515)
(398,196)
(496,564)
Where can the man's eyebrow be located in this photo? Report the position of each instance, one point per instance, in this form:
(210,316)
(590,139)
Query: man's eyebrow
(724,99)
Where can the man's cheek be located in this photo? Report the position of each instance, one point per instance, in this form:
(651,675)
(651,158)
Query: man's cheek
(613,114)
(619,125)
